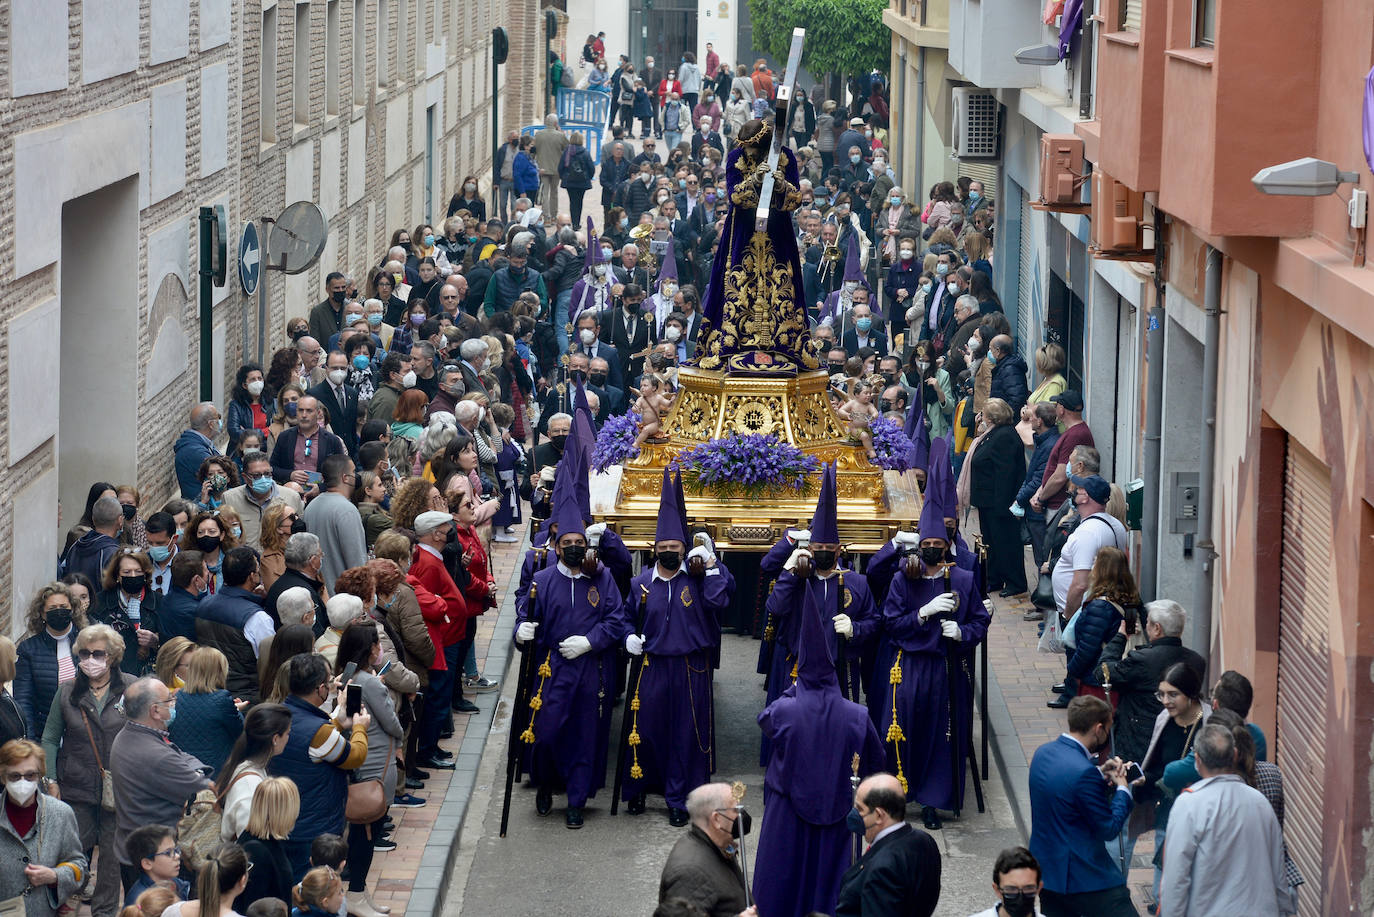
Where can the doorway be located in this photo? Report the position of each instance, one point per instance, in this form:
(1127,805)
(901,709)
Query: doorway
(662,31)
(97,345)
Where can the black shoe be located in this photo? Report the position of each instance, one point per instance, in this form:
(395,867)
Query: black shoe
(930,818)
(414,783)
(543,802)
(574,819)
(439,765)
(678,817)
(636,805)
(466,706)
(1009,592)
(1060,702)
(383,844)
(1059,688)
(440,754)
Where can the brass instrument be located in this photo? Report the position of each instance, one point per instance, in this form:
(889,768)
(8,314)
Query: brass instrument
(641,234)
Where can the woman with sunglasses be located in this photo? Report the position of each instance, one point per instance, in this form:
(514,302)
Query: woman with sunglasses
(278,521)
(130,605)
(40,848)
(81,727)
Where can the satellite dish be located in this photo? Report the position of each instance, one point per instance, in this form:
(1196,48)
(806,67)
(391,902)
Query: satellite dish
(297,238)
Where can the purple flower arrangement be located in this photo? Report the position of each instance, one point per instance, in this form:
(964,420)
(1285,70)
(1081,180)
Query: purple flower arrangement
(615,444)
(892,448)
(747,465)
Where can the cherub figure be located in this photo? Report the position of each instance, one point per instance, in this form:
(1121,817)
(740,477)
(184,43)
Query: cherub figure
(858,412)
(652,405)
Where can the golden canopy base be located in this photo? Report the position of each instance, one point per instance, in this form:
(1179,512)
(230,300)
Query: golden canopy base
(872,503)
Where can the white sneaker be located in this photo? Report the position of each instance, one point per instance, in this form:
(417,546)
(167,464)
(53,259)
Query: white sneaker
(505,539)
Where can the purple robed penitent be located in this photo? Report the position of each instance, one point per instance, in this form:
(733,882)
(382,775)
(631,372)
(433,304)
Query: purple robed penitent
(814,734)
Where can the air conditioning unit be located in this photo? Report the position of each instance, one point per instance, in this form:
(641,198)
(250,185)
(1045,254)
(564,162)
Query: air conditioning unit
(1061,168)
(1118,215)
(977,124)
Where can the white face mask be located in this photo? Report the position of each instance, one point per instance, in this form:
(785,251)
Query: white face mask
(587,335)
(337,376)
(21,791)
(906,254)
(599,270)
(922,365)
(254,387)
(952,287)
(672,333)
(851,285)
(408,380)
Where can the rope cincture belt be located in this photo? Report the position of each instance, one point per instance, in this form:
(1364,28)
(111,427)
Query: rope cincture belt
(894,731)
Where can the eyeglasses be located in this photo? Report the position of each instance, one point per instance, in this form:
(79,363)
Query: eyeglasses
(1030,890)
(259,476)
(307,448)
(171,853)
(1163,696)
(92,654)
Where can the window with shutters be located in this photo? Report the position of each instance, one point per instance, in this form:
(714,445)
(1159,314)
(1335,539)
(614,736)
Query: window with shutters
(1305,576)
(1128,15)
(1025,288)
(1204,23)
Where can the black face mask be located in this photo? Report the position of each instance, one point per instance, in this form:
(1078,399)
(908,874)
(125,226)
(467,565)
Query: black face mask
(297,525)
(825,559)
(208,544)
(669,560)
(133,585)
(559,441)
(932,555)
(59,620)
(129,510)
(338,297)
(884,405)
(741,825)
(598,379)
(1018,904)
(573,555)
(949,531)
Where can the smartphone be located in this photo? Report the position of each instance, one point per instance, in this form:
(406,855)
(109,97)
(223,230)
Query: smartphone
(349,671)
(386,667)
(353,700)
(1133,772)
(314,477)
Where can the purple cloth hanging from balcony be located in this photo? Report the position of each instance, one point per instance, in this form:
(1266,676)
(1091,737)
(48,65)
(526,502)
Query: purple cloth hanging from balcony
(1369,119)
(1068,27)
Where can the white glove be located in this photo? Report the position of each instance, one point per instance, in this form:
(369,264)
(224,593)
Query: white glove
(950,629)
(987,604)
(843,625)
(941,604)
(792,560)
(546,474)
(707,557)
(634,644)
(905,540)
(573,647)
(594,533)
(525,632)
(704,540)
(802,536)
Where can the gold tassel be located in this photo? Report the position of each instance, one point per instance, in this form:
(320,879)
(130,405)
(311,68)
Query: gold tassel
(894,731)
(636,772)
(536,702)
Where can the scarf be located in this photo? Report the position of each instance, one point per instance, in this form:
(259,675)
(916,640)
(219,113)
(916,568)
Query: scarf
(894,216)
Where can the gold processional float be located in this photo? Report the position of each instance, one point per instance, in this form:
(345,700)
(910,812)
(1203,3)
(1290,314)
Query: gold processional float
(755,373)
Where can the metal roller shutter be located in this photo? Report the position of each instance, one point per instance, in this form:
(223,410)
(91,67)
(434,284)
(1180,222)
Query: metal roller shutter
(1024,289)
(1304,663)
(1130,15)
(985,172)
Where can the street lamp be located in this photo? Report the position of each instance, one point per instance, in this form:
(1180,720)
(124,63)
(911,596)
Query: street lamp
(1306,177)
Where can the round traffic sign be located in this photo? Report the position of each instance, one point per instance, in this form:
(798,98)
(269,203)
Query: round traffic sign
(250,259)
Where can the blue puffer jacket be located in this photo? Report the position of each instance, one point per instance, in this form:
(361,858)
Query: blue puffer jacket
(1097,621)
(35,679)
(191,449)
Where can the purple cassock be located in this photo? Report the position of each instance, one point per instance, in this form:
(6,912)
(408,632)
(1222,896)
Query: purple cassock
(570,711)
(681,629)
(723,342)
(593,289)
(917,430)
(814,733)
(919,702)
(839,592)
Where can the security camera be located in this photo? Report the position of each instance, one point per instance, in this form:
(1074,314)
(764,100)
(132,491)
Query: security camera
(1306,177)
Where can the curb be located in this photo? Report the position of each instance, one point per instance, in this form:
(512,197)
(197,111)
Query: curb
(1011,759)
(442,846)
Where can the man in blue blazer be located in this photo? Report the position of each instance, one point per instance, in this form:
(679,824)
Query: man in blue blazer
(1076,807)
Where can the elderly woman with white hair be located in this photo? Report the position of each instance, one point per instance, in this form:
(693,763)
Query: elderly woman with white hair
(897,218)
(374,310)
(343,609)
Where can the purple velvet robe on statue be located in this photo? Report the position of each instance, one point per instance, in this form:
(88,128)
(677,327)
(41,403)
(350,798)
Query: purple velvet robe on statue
(676,721)
(572,725)
(804,846)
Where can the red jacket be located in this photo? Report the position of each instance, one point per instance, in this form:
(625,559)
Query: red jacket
(434,610)
(479,573)
(430,573)
(666,86)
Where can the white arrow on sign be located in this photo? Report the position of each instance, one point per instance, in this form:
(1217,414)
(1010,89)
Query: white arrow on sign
(250,258)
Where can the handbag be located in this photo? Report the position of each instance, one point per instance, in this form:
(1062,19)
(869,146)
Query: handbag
(1043,595)
(199,826)
(107,800)
(1051,640)
(367,800)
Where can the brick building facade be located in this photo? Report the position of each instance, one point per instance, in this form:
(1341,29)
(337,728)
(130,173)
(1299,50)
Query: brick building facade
(118,122)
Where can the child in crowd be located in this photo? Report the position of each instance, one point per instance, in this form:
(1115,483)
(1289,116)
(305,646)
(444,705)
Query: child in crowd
(327,851)
(154,849)
(319,894)
(508,460)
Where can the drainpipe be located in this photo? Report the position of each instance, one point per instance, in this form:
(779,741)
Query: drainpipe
(920,118)
(1202,604)
(1154,414)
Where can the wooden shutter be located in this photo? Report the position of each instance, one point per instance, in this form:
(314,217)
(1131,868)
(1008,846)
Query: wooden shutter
(1304,663)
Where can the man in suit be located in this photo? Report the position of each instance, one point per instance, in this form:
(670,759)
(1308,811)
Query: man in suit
(588,340)
(899,873)
(1076,807)
(339,399)
(628,331)
(863,331)
(613,404)
(628,270)
(300,451)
